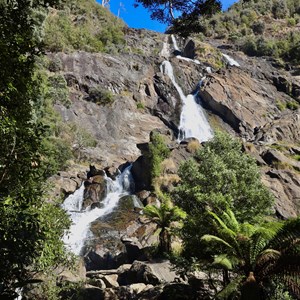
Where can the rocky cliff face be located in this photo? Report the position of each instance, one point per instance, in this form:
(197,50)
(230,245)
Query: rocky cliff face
(257,101)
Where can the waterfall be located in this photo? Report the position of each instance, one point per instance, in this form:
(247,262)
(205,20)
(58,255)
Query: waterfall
(230,60)
(81,220)
(193,122)
(176,48)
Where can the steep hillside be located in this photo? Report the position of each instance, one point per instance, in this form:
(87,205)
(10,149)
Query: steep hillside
(83,25)
(259,28)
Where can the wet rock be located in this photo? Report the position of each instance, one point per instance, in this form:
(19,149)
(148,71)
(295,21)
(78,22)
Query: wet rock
(95,191)
(94,172)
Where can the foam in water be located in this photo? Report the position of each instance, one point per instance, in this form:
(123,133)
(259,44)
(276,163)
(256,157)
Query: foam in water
(231,61)
(81,220)
(193,122)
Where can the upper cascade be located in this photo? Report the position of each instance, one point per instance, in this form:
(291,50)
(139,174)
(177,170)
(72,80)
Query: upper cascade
(193,122)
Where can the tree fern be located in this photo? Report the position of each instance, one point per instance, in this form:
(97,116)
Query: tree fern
(270,251)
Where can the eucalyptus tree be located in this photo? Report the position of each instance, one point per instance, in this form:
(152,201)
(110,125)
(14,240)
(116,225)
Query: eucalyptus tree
(166,11)
(257,255)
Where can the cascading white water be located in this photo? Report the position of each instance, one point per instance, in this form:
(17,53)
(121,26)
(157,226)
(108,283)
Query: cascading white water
(230,60)
(193,122)
(81,220)
(176,48)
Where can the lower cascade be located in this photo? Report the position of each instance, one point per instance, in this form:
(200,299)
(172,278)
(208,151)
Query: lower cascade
(81,219)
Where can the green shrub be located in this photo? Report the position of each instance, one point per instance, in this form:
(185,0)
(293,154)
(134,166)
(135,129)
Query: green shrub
(55,64)
(279,9)
(249,47)
(293,105)
(267,48)
(100,96)
(158,151)
(140,105)
(296,157)
(58,90)
(280,105)
(83,25)
(258,27)
(291,22)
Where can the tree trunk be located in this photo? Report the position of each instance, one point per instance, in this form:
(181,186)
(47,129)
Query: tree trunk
(164,241)
(250,289)
(226,279)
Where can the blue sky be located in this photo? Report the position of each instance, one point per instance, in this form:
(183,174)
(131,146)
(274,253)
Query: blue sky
(139,17)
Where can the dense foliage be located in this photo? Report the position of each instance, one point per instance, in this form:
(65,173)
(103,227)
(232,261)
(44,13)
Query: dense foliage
(28,240)
(83,25)
(164,217)
(158,151)
(265,255)
(220,176)
(261,28)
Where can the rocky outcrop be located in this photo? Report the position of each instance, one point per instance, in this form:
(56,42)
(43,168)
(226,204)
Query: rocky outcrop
(285,185)
(283,130)
(94,192)
(241,101)
(66,183)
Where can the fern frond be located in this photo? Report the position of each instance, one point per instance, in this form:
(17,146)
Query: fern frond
(214,239)
(286,236)
(231,220)
(223,230)
(223,261)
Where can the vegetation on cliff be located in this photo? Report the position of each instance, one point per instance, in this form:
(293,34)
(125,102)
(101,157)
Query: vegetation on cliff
(260,28)
(83,25)
(166,11)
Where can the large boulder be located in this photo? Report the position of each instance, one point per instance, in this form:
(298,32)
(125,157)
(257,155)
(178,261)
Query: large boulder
(149,273)
(95,192)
